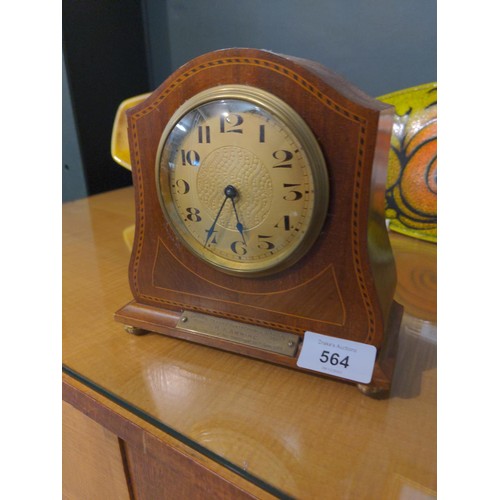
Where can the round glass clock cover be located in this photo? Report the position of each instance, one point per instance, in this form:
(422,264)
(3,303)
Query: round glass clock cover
(242,180)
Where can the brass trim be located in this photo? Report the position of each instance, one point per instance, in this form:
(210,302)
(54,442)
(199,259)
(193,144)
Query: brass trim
(239,333)
(319,174)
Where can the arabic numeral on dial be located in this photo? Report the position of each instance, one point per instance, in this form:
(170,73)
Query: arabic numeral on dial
(203,134)
(292,195)
(264,244)
(283,157)
(190,157)
(284,223)
(239,248)
(334,359)
(213,235)
(262,133)
(181,186)
(228,123)
(193,214)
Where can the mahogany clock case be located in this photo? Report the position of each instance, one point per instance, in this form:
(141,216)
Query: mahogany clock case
(344,285)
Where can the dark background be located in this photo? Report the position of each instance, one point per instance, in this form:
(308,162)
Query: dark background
(113,50)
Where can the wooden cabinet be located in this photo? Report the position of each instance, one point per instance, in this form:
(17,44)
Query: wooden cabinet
(153,417)
(92,458)
(109,453)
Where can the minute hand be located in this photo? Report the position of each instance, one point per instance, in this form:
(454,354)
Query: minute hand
(212,227)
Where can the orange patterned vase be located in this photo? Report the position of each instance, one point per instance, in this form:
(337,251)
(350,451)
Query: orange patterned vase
(411,194)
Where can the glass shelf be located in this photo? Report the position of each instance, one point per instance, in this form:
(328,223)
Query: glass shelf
(290,433)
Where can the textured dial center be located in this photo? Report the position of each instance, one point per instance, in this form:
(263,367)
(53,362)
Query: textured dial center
(239,167)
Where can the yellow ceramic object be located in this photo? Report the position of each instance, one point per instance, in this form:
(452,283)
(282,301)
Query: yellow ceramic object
(411,194)
(120,150)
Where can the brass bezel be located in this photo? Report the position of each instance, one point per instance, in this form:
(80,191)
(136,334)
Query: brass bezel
(315,159)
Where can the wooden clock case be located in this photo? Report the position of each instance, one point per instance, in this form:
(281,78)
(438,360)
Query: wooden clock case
(343,287)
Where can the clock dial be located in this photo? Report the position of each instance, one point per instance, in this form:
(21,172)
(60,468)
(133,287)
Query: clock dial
(242,180)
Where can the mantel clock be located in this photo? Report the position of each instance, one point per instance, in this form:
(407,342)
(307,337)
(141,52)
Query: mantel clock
(259,189)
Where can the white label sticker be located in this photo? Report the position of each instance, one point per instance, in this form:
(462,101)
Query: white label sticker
(342,358)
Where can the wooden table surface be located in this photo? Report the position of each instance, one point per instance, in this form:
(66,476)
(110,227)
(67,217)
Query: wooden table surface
(302,435)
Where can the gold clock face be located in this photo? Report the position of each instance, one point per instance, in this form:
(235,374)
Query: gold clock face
(242,180)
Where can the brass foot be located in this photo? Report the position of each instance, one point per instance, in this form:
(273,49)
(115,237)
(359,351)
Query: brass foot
(374,392)
(135,331)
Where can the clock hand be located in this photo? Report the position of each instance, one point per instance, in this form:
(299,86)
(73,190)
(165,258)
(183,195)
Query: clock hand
(239,225)
(212,227)
(231,192)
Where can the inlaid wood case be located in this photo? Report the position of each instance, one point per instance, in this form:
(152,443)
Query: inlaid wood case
(341,286)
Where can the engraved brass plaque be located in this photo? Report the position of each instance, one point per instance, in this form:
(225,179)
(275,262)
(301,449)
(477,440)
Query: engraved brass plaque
(239,333)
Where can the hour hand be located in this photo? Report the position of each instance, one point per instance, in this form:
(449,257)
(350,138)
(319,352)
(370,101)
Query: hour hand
(239,225)
(231,192)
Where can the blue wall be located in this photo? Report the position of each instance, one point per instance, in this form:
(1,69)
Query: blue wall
(129,47)
(380,46)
